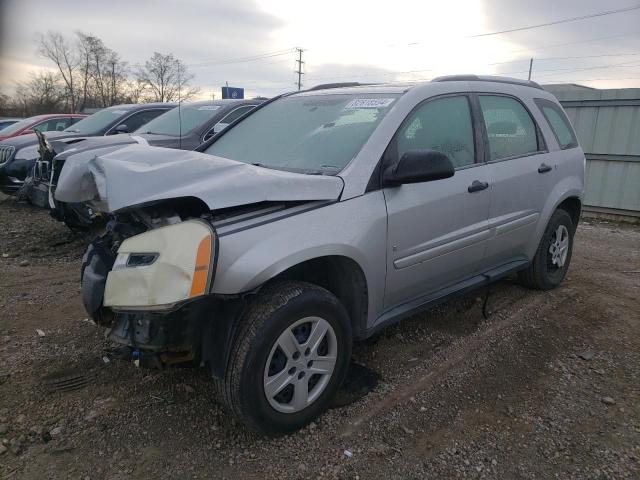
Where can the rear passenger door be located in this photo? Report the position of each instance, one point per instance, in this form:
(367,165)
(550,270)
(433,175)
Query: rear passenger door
(522,175)
(437,231)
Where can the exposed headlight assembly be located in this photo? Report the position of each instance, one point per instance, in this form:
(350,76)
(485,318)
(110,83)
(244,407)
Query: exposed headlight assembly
(161,267)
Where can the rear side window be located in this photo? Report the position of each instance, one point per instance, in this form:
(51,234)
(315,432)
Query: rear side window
(511,130)
(558,122)
(443,125)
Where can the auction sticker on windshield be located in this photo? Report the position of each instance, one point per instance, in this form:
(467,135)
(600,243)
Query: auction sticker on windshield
(368,103)
(209,107)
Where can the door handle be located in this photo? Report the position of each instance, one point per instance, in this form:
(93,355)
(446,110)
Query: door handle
(477,185)
(544,168)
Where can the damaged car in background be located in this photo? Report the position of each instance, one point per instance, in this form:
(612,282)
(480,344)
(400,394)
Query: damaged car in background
(319,219)
(184,128)
(19,154)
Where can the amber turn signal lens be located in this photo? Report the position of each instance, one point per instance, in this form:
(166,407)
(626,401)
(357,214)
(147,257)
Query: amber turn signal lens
(201,270)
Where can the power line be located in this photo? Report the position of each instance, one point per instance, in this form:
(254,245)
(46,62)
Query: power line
(592,79)
(567,58)
(243,59)
(557,22)
(555,45)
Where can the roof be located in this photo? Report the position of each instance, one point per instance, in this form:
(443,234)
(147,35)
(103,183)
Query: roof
(355,87)
(370,88)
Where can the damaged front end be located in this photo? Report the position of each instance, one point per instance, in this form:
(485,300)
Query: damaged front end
(147,279)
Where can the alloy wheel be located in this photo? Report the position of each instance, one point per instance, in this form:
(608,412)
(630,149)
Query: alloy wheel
(559,247)
(300,364)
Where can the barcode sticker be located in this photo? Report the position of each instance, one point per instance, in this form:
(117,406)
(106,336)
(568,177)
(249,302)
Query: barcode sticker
(368,103)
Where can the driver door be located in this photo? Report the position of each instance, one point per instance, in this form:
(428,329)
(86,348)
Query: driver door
(438,230)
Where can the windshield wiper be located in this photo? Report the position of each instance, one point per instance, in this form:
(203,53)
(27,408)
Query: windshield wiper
(72,131)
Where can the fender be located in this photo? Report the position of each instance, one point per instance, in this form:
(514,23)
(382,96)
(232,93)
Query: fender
(355,229)
(568,187)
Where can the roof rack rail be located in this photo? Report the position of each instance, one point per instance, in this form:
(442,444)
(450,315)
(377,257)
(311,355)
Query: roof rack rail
(325,86)
(487,78)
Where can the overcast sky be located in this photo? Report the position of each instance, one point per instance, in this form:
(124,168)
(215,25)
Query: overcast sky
(343,40)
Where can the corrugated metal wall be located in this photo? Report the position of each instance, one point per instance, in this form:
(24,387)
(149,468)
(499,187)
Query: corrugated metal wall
(607,123)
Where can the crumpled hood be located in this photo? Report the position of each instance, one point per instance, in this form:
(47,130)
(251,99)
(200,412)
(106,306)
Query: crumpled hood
(116,178)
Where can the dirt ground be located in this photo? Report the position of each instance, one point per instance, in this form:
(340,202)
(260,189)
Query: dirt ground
(547,387)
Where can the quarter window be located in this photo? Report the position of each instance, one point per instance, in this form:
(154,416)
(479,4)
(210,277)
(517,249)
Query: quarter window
(559,123)
(510,128)
(443,125)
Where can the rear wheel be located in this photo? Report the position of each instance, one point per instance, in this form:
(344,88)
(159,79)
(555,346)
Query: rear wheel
(289,358)
(552,259)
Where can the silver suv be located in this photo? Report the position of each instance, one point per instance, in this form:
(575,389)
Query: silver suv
(321,218)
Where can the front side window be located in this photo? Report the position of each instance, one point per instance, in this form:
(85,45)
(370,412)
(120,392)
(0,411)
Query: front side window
(510,128)
(137,120)
(54,124)
(185,120)
(443,125)
(558,122)
(236,114)
(312,133)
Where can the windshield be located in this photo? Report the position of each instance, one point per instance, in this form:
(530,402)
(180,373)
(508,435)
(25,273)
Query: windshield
(190,116)
(98,121)
(309,133)
(11,129)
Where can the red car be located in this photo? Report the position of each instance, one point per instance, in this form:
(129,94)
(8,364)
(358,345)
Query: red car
(42,123)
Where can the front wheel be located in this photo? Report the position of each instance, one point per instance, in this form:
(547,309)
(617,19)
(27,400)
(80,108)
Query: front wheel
(289,358)
(552,259)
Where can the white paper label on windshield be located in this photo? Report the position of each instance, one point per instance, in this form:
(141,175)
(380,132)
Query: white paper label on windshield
(209,107)
(368,103)
(118,112)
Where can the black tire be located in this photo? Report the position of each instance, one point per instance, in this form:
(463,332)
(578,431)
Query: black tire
(274,309)
(542,274)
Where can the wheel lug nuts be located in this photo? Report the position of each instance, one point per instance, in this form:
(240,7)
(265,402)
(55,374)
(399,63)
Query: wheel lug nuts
(296,355)
(307,352)
(310,364)
(292,370)
(300,375)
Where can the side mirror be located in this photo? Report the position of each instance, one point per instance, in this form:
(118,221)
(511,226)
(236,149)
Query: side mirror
(122,128)
(418,166)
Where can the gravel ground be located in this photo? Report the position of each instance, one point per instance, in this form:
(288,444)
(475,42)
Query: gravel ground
(547,387)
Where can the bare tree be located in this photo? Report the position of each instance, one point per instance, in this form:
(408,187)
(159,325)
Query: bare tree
(165,79)
(44,92)
(5,102)
(57,48)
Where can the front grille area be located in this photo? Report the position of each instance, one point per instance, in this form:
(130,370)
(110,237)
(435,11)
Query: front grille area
(6,152)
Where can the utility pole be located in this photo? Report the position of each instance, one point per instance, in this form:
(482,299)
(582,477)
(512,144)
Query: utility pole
(530,68)
(299,70)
